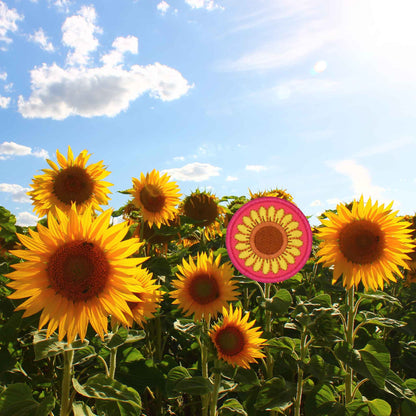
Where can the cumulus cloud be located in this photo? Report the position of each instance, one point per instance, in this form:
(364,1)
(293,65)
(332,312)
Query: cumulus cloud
(62,5)
(26,219)
(3,76)
(4,101)
(255,168)
(78,33)
(41,39)
(196,172)
(58,93)
(121,45)
(18,192)
(162,7)
(360,178)
(86,90)
(203,4)
(8,19)
(231,178)
(10,149)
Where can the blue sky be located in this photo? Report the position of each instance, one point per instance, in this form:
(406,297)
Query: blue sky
(313,96)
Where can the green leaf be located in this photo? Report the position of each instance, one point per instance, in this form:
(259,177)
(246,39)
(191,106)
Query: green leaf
(372,318)
(379,295)
(175,375)
(46,405)
(117,339)
(159,266)
(17,400)
(197,385)
(246,379)
(395,386)
(317,366)
(132,354)
(274,394)
(102,387)
(408,407)
(321,395)
(282,343)
(50,347)
(232,407)
(280,302)
(323,300)
(356,408)
(106,408)
(82,409)
(379,407)
(376,358)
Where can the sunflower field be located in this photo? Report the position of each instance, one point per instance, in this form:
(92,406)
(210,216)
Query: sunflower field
(196,305)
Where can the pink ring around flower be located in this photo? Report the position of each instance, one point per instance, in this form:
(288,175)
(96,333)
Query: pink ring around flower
(269,239)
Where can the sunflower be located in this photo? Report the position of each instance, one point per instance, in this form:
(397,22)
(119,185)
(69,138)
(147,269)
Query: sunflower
(365,243)
(204,208)
(204,288)
(156,196)
(70,182)
(235,339)
(149,299)
(77,272)
(279,193)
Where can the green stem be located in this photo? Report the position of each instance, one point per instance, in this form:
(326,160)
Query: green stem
(214,394)
(66,383)
(299,387)
(268,329)
(113,362)
(205,398)
(349,336)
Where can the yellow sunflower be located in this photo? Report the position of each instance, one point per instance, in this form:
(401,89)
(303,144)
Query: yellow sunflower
(156,196)
(204,287)
(268,240)
(366,243)
(204,208)
(70,182)
(279,193)
(149,299)
(235,339)
(77,272)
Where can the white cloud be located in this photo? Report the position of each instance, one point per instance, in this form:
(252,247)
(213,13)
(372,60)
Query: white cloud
(193,172)
(203,4)
(386,147)
(10,149)
(78,32)
(360,178)
(18,192)
(40,38)
(315,203)
(58,93)
(8,87)
(299,87)
(62,5)
(333,201)
(255,168)
(26,219)
(3,76)
(121,45)
(179,158)
(4,101)
(162,7)
(286,52)
(231,178)
(8,19)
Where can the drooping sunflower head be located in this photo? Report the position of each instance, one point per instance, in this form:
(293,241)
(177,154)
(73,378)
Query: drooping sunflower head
(77,272)
(148,299)
(279,193)
(236,340)
(156,196)
(204,287)
(203,206)
(365,243)
(70,182)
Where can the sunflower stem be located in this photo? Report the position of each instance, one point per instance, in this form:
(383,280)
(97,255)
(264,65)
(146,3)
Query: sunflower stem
(205,398)
(350,340)
(214,394)
(268,329)
(113,362)
(299,387)
(66,383)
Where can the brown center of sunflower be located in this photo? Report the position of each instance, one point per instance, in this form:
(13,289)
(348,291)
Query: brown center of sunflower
(78,270)
(152,198)
(73,184)
(361,242)
(204,289)
(201,207)
(230,340)
(268,239)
